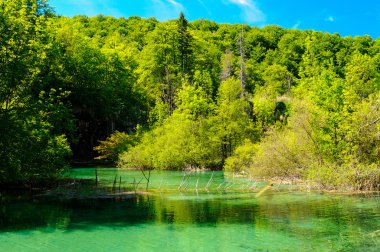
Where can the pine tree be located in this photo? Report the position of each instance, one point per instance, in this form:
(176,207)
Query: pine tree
(184,45)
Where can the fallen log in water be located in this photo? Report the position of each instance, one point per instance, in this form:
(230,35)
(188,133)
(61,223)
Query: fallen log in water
(262,191)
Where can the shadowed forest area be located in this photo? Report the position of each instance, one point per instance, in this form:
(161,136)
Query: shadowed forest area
(265,102)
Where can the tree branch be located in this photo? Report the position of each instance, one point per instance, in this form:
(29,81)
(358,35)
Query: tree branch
(369,124)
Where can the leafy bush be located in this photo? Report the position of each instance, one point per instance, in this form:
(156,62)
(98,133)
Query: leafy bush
(115,144)
(241,159)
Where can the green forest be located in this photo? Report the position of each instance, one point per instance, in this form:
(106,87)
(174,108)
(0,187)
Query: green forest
(271,103)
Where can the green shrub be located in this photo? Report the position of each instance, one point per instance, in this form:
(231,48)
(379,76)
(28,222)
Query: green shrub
(241,159)
(115,144)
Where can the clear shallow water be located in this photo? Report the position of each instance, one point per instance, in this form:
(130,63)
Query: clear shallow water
(170,220)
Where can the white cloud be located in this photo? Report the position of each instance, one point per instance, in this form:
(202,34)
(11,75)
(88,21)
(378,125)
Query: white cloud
(176,4)
(250,12)
(205,7)
(330,19)
(241,2)
(297,25)
(165,9)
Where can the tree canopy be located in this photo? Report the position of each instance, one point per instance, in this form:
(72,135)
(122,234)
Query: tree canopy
(271,102)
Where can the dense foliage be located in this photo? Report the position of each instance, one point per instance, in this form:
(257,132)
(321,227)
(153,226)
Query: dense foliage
(34,118)
(270,102)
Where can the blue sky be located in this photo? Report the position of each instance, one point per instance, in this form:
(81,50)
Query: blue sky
(350,17)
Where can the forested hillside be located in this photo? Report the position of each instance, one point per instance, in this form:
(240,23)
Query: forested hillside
(271,102)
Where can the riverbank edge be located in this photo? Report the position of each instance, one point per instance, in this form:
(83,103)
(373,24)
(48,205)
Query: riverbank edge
(298,184)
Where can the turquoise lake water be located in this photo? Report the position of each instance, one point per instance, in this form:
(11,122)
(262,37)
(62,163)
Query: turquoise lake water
(226,217)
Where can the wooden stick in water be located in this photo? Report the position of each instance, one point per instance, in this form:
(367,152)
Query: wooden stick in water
(228,186)
(185,178)
(187,184)
(114,183)
(162,180)
(134,182)
(209,182)
(220,186)
(137,185)
(147,181)
(262,191)
(182,181)
(96,176)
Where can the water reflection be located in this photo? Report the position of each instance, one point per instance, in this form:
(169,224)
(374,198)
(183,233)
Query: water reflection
(306,220)
(279,211)
(18,214)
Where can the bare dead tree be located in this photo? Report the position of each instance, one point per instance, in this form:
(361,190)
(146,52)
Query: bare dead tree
(242,75)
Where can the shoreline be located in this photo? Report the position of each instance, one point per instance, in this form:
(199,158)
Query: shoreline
(69,183)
